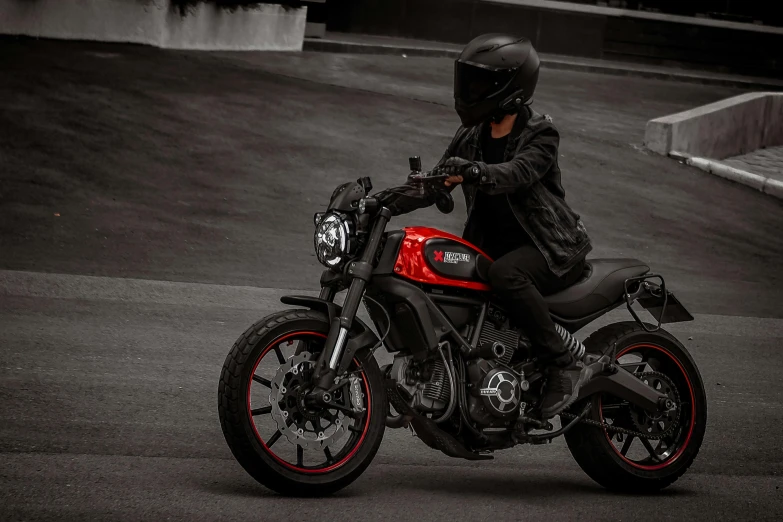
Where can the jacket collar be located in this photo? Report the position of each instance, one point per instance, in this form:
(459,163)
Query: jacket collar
(516,131)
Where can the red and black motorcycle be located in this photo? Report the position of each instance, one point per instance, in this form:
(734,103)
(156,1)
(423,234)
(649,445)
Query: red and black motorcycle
(303,403)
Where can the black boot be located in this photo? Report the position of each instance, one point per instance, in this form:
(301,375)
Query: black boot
(562,385)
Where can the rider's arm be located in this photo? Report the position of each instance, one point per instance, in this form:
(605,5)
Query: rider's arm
(529,165)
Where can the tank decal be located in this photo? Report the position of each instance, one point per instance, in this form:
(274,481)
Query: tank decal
(434,257)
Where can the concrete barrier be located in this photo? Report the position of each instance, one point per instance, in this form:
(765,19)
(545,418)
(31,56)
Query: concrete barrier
(153,22)
(574,29)
(730,127)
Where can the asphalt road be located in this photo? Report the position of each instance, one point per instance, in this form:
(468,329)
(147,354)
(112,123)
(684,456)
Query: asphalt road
(187,182)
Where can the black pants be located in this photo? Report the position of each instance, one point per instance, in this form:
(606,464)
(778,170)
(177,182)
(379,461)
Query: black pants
(520,278)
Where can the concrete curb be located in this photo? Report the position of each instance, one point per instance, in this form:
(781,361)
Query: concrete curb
(562,63)
(769,186)
(326,45)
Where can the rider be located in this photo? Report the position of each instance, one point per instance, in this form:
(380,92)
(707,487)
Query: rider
(505,158)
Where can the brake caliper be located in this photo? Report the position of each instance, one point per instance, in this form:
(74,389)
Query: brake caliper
(357,396)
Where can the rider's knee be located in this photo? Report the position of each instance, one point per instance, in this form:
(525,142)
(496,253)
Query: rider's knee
(503,276)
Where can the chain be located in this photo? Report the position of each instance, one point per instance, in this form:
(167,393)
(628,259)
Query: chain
(639,434)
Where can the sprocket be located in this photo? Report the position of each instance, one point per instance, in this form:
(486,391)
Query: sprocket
(660,423)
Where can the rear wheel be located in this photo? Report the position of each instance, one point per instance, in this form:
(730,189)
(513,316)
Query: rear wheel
(663,446)
(278,440)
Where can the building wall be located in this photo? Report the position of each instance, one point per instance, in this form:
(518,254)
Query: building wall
(580,31)
(153,22)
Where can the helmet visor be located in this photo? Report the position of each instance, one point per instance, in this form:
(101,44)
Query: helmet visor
(474,83)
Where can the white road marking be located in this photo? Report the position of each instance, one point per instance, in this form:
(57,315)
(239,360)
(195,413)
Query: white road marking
(67,286)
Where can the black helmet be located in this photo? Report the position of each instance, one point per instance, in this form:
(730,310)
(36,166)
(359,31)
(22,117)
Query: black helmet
(495,75)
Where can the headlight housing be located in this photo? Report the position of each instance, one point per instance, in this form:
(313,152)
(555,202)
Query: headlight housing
(332,239)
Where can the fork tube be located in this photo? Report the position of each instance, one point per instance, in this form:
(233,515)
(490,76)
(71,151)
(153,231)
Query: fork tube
(327,293)
(361,271)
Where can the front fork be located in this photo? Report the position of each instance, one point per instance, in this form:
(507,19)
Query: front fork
(359,272)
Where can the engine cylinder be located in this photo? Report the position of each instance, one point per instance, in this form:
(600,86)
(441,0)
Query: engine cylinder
(438,388)
(508,337)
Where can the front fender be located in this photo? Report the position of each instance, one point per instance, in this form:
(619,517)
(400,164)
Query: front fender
(360,336)
(329,309)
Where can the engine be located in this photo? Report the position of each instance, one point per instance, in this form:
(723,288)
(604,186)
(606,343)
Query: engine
(495,392)
(495,389)
(427,382)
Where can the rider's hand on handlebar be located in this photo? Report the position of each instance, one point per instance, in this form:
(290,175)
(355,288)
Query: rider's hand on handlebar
(453,180)
(460,170)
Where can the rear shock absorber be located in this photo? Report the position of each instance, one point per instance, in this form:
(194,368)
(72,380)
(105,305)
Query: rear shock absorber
(572,344)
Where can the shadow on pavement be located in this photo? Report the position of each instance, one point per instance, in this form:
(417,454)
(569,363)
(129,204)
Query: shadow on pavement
(529,486)
(467,482)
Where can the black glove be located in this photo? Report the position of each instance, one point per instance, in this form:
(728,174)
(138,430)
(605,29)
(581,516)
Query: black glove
(461,167)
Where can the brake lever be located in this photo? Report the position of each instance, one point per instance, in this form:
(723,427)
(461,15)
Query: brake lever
(430,180)
(428,177)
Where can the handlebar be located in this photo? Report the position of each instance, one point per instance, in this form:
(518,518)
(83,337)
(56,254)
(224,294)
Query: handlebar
(434,176)
(419,181)
(429,178)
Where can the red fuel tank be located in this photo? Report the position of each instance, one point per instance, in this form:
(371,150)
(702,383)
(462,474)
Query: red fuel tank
(434,257)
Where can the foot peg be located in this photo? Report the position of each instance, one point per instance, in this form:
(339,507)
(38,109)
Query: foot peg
(429,432)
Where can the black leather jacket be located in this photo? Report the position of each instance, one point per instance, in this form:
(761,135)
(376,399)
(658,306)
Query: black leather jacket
(530,177)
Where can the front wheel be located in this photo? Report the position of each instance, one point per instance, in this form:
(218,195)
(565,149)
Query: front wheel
(283,444)
(637,452)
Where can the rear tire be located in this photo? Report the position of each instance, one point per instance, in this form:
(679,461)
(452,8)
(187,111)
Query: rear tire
(594,448)
(255,454)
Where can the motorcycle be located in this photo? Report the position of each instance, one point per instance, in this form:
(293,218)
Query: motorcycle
(303,403)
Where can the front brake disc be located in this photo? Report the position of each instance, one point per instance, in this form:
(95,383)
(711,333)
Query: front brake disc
(300,425)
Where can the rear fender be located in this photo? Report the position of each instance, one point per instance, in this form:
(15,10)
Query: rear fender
(360,336)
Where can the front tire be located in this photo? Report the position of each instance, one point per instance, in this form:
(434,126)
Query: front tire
(605,455)
(259,449)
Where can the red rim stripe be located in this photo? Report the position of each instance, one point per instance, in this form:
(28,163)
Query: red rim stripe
(261,441)
(693,413)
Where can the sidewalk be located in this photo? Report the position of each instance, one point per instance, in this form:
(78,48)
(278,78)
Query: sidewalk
(369,44)
(765,162)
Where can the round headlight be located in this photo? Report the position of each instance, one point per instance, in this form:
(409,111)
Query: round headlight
(331,240)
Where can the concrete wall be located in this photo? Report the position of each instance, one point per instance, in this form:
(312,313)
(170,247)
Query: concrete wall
(720,130)
(268,27)
(576,30)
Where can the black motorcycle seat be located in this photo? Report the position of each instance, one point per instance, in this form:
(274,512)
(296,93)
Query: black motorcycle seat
(600,286)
